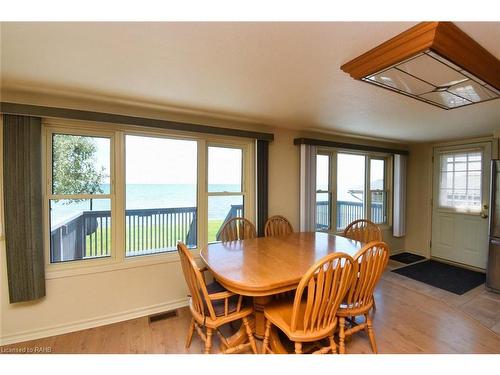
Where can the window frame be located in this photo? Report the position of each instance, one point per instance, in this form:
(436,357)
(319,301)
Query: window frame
(117,132)
(332,181)
(388,181)
(368,188)
(454,151)
(48,134)
(244,188)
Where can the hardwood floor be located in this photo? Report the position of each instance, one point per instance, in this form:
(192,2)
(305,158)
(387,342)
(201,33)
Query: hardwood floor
(406,321)
(478,303)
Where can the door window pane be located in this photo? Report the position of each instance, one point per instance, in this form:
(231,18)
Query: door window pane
(80,164)
(460,181)
(79,229)
(221,209)
(350,188)
(161,204)
(225,167)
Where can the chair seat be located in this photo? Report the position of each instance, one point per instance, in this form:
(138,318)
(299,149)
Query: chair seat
(350,310)
(215,287)
(279,312)
(219,305)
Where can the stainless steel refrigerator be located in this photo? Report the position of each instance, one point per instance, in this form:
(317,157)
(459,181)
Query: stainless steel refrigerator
(493,268)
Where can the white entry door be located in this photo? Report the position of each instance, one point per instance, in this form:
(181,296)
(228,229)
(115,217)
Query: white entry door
(460,204)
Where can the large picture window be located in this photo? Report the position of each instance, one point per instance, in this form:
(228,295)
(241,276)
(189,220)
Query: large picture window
(125,195)
(360,189)
(161,190)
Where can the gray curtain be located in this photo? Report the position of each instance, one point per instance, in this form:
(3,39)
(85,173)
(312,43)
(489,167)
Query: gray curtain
(262,185)
(22,179)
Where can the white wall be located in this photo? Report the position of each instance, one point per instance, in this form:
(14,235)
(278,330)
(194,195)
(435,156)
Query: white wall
(88,300)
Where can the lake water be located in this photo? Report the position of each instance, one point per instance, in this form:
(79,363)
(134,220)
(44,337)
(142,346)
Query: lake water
(140,196)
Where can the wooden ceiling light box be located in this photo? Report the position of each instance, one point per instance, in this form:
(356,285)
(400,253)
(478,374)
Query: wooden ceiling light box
(434,62)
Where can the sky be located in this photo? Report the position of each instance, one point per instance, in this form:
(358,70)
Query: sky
(152,160)
(350,174)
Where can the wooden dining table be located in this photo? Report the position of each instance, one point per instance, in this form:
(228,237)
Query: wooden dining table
(265,266)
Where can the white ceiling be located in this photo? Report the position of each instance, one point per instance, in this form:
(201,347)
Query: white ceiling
(283,74)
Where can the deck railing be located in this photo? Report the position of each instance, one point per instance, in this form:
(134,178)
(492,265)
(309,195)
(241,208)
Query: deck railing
(236,210)
(88,235)
(347,212)
(152,230)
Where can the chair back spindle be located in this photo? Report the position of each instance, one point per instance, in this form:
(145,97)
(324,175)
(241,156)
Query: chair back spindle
(277,226)
(371,262)
(195,282)
(363,231)
(237,228)
(323,287)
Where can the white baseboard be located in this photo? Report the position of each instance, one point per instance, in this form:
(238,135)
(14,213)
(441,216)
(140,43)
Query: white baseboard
(91,323)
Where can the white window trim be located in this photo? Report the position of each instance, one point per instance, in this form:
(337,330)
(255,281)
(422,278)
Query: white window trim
(453,150)
(387,183)
(333,152)
(247,179)
(116,132)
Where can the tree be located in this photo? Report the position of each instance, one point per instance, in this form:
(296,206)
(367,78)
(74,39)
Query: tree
(74,166)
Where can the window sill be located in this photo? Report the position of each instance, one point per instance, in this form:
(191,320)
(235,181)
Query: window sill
(383,227)
(61,270)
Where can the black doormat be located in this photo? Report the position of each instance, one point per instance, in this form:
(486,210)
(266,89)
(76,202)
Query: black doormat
(407,258)
(444,276)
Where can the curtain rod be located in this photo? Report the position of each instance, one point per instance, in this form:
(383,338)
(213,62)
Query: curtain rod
(349,146)
(77,114)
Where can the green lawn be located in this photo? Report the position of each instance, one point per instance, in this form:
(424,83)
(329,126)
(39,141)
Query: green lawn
(146,238)
(213,228)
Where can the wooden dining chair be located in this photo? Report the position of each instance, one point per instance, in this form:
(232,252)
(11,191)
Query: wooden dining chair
(363,231)
(213,306)
(371,262)
(311,315)
(237,228)
(277,226)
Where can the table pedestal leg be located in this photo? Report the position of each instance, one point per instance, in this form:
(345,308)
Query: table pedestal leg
(260,320)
